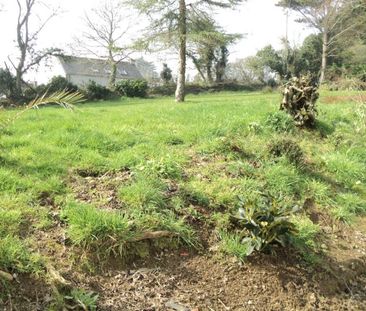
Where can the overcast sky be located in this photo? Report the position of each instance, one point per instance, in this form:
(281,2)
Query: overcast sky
(261,21)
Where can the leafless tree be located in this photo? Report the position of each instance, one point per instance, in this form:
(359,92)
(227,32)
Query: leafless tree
(29,55)
(105,36)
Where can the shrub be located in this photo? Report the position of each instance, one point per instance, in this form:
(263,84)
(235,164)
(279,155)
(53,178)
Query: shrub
(132,88)
(7,83)
(288,148)
(299,99)
(56,84)
(280,122)
(94,91)
(59,83)
(263,223)
(166,74)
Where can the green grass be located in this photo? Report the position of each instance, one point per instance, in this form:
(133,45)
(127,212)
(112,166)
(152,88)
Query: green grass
(202,154)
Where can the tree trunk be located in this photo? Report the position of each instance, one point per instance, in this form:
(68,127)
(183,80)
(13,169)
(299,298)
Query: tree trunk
(112,76)
(198,66)
(209,73)
(180,91)
(19,69)
(324,57)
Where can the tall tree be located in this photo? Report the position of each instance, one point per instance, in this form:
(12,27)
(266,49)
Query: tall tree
(207,47)
(330,18)
(105,36)
(147,69)
(29,55)
(169,21)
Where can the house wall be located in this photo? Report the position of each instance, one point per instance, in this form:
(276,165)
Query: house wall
(82,80)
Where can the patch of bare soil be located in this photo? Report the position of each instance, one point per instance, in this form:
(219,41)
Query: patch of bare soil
(183,281)
(334,99)
(99,189)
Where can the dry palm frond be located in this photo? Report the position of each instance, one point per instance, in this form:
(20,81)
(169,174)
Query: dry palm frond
(63,98)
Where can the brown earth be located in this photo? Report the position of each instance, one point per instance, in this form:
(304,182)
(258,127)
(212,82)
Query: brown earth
(185,280)
(335,99)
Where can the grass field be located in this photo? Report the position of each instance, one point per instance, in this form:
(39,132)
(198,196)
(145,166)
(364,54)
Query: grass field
(107,176)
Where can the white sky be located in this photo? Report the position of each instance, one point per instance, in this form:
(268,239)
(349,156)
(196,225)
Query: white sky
(261,21)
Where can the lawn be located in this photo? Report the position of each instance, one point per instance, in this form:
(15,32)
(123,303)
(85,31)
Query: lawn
(127,179)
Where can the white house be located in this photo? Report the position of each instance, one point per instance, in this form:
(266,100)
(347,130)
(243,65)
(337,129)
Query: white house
(81,70)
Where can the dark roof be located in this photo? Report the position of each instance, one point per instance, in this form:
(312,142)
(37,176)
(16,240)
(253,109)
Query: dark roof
(97,67)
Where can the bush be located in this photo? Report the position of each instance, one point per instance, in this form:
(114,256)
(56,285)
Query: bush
(299,99)
(264,223)
(194,88)
(7,83)
(132,88)
(59,83)
(280,122)
(288,148)
(94,91)
(56,84)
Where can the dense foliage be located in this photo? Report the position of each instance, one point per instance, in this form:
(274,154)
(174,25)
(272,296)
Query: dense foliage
(264,222)
(94,91)
(132,88)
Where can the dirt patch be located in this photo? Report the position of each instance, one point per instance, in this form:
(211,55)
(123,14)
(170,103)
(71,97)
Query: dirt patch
(335,99)
(99,189)
(201,282)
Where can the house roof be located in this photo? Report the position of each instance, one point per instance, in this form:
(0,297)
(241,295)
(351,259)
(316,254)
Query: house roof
(97,67)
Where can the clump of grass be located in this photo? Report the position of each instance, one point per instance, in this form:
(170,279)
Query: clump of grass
(349,205)
(164,168)
(305,238)
(16,256)
(317,190)
(90,227)
(192,193)
(10,221)
(112,231)
(288,148)
(280,122)
(352,203)
(145,192)
(346,171)
(231,244)
(282,178)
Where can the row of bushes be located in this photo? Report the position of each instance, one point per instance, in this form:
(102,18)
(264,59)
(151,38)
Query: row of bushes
(92,90)
(194,88)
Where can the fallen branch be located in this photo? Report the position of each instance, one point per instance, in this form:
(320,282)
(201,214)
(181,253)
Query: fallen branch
(153,235)
(6,276)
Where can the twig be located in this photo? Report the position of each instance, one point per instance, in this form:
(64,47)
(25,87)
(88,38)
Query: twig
(226,307)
